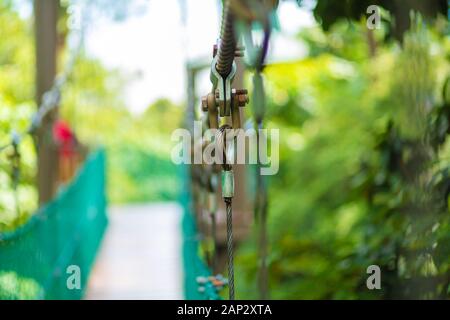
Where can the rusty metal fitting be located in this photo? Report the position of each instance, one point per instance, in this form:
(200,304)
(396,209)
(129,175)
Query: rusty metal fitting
(241,91)
(242,97)
(240,94)
(211,101)
(205,103)
(209,104)
(242,100)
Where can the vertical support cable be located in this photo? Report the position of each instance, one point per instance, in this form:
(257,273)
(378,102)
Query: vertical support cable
(261,216)
(228,203)
(227,195)
(225,59)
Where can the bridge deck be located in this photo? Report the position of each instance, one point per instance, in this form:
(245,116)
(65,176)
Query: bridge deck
(140,257)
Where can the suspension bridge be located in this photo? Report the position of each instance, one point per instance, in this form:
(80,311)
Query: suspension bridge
(97,203)
(116,249)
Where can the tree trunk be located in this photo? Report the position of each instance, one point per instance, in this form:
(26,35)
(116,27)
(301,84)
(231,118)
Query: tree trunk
(46,17)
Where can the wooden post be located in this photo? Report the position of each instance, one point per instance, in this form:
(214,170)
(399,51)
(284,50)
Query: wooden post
(46,18)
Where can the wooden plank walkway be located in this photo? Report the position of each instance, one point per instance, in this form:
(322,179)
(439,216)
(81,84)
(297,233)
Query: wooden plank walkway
(140,257)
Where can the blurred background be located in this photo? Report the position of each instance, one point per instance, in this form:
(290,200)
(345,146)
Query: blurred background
(363,114)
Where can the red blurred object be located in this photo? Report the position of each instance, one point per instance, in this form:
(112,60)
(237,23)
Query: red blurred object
(64,137)
(70,151)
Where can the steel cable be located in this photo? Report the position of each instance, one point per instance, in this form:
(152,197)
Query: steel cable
(227,44)
(228,199)
(228,204)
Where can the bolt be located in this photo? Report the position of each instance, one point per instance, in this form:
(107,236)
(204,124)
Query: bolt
(242,100)
(205,103)
(242,97)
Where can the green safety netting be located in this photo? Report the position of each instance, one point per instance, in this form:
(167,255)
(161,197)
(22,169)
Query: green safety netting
(35,259)
(194,265)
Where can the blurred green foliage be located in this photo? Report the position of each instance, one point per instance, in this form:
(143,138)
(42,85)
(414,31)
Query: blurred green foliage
(396,13)
(363,174)
(14,287)
(16,107)
(137,145)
